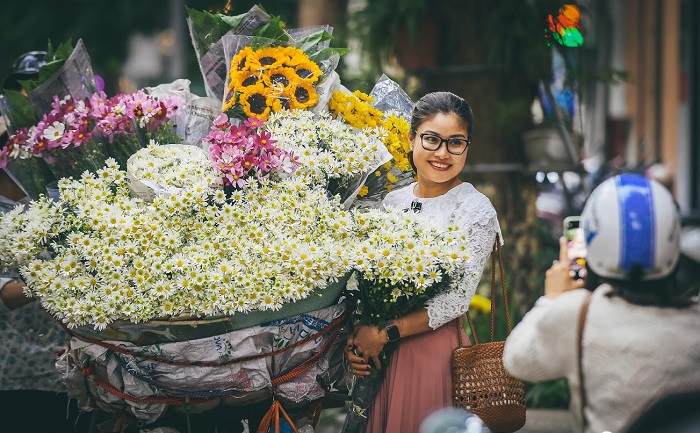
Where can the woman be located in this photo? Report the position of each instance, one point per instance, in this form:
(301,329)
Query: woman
(639,337)
(418,379)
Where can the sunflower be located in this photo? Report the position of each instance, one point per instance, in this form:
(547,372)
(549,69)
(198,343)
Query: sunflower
(270,57)
(278,79)
(303,95)
(308,70)
(256,101)
(294,56)
(243,79)
(281,102)
(242,61)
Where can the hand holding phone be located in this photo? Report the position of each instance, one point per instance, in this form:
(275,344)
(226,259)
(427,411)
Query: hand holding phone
(576,247)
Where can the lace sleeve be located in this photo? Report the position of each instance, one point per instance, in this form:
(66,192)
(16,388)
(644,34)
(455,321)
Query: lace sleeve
(480,223)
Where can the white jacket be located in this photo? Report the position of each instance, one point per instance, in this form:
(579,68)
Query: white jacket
(632,354)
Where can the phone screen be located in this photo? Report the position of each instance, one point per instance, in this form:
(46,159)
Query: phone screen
(577,247)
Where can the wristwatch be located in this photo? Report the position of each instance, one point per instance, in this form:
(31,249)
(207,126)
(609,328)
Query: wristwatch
(392,332)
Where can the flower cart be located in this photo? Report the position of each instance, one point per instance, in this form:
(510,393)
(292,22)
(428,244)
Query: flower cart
(200,277)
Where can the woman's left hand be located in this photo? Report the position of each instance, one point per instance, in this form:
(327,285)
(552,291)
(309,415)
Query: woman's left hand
(369,341)
(557,278)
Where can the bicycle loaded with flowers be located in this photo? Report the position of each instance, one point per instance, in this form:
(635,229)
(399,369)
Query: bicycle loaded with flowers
(197,276)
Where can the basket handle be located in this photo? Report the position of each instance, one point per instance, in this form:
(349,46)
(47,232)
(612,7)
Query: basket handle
(458,323)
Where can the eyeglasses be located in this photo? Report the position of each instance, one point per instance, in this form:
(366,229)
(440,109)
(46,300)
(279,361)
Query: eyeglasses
(432,142)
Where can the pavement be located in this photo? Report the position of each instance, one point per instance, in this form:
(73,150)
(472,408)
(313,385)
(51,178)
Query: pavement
(537,421)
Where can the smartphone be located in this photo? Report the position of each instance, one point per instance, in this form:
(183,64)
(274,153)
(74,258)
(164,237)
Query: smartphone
(577,246)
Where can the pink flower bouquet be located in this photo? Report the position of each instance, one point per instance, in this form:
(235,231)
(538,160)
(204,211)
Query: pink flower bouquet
(244,152)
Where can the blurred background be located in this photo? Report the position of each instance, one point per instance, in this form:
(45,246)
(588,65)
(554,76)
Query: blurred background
(552,121)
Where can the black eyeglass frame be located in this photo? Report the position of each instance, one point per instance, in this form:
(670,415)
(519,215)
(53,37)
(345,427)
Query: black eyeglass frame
(444,140)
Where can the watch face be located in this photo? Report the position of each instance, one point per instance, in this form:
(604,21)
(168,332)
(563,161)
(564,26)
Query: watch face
(392,331)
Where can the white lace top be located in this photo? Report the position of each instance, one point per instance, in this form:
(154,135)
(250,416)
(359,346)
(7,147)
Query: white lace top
(466,207)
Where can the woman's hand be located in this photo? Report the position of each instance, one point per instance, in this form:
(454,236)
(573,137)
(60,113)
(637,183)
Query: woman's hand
(557,278)
(358,366)
(368,343)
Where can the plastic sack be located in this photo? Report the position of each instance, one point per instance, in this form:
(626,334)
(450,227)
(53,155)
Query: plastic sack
(197,117)
(295,359)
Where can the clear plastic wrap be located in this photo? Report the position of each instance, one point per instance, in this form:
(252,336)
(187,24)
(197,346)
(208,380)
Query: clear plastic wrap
(75,78)
(396,106)
(390,98)
(207,31)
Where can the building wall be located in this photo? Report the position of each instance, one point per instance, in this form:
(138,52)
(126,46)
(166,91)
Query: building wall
(652,92)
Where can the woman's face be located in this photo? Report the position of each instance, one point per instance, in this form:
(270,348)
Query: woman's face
(439,168)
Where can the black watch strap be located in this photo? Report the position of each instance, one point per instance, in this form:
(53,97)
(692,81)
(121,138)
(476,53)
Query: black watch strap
(392,332)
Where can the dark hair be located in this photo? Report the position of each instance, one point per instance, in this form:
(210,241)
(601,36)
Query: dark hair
(661,292)
(440,102)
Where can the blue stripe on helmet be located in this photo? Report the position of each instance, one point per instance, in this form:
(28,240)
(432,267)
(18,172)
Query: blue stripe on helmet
(637,225)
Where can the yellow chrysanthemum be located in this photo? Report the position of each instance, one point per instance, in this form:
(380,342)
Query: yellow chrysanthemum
(256,101)
(363,191)
(354,110)
(363,96)
(396,141)
(481,304)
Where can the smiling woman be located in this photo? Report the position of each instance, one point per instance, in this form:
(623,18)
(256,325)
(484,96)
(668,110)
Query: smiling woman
(424,344)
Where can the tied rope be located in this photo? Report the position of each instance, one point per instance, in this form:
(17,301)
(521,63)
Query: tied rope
(205,396)
(120,349)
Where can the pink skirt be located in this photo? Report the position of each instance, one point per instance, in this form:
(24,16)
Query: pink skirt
(418,381)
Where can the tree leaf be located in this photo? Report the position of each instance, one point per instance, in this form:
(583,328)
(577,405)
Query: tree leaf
(22,113)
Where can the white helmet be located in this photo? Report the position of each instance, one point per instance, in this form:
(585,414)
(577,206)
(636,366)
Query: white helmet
(630,219)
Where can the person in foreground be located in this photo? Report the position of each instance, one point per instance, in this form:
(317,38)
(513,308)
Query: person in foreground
(418,378)
(30,338)
(639,339)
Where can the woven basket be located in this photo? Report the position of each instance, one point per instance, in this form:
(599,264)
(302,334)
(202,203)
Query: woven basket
(480,382)
(482,386)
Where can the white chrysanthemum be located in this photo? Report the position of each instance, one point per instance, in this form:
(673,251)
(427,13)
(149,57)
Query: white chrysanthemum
(328,149)
(174,165)
(404,251)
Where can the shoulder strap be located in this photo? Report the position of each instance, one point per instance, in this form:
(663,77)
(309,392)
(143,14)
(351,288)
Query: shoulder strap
(495,252)
(579,344)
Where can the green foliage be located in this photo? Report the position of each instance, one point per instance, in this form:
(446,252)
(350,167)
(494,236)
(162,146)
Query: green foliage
(54,61)
(22,114)
(379,22)
(552,394)
(210,26)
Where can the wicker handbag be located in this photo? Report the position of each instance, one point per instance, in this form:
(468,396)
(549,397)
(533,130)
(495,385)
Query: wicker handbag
(480,382)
